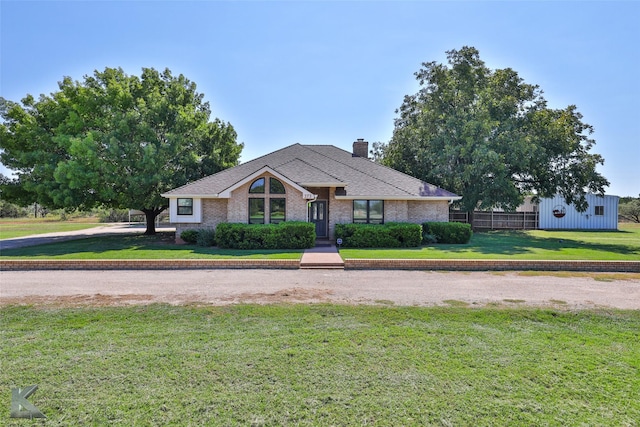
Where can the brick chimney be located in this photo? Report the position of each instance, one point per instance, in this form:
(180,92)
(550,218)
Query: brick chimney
(361,148)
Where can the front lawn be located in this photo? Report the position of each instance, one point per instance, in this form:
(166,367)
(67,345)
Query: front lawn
(322,365)
(11,228)
(533,245)
(139,246)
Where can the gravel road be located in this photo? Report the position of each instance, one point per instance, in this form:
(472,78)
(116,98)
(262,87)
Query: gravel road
(402,288)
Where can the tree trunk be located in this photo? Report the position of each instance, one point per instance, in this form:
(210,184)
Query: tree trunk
(470,218)
(150,216)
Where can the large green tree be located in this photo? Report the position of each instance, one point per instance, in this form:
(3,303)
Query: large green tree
(112,140)
(630,208)
(490,137)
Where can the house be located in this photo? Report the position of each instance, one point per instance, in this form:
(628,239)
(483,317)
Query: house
(322,184)
(601,214)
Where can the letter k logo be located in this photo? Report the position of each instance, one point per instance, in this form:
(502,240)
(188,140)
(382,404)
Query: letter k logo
(21,407)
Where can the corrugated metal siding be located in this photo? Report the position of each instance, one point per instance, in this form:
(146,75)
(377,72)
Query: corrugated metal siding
(572,219)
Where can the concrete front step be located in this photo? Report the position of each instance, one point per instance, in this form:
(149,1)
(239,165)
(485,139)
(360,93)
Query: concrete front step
(321,257)
(325,265)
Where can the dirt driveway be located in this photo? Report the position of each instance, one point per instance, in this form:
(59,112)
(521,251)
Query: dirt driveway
(222,287)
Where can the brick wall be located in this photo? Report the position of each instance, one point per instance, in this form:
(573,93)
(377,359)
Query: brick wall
(214,211)
(492,265)
(132,264)
(396,211)
(352,264)
(436,211)
(340,212)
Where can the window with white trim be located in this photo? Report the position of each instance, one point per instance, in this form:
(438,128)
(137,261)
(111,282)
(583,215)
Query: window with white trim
(185,206)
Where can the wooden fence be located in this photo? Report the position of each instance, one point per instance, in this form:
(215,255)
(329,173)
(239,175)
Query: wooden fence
(498,220)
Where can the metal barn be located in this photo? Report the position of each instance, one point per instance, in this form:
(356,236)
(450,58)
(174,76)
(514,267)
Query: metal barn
(602,214)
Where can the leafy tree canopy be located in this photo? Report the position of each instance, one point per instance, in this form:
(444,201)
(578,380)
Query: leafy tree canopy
(112,140)
(630,208)
(490,137)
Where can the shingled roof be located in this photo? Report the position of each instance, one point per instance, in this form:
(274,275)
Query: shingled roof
(320,166)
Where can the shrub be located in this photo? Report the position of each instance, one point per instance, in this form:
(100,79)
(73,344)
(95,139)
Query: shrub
(200,237)
(296,235)
(389,235)
(428,239)
(408,235)
(190,236)
(114,215)
(206,237)
(229,235)
(9,210)
(285,235)
(447,232)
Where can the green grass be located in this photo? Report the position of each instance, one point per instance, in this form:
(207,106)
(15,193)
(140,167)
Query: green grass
(322,365)
(11,228)
(534,244)
(139,246)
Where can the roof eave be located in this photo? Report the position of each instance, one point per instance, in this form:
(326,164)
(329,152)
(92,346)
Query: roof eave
(323,184)
(189,195)
(227,192)
(370,197)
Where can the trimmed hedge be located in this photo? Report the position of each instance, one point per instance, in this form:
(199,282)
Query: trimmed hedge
(285,235)
(447,232)
(206,237)
(389,235)
(200,237)
(189,236)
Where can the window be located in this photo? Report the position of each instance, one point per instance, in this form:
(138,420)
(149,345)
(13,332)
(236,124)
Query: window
(275,186)
(277,205)
(360,211)
(257,186)
(256,211)
(368,211)
(277,210)
(600,210)
(185,206)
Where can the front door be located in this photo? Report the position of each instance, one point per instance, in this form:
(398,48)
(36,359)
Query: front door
(318,215)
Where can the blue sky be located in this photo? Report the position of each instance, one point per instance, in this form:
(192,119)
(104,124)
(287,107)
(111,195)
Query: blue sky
(332,72)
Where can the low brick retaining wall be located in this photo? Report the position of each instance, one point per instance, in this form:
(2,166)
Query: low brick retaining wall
(491,265)
(349,264)
(144,264)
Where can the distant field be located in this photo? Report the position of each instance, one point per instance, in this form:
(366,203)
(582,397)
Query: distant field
(285,365)
(11,228)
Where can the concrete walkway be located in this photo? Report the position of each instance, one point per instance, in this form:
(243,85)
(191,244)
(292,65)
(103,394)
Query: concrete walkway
(322,257)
